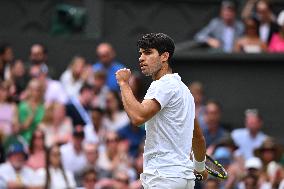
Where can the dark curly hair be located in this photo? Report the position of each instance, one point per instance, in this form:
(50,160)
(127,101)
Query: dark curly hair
(160,41)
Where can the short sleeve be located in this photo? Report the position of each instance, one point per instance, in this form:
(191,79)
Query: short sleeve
(162,91)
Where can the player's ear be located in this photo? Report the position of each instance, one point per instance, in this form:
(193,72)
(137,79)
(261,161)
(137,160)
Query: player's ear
(165,56)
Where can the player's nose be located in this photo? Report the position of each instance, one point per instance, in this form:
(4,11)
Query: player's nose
(141,59)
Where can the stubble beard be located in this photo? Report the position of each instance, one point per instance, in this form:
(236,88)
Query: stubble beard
(154,70)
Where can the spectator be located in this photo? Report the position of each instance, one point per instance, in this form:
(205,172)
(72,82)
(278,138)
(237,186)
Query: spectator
(251,134)
(196,89)
(31,110)
(250,42)
(57,127)
(8,112)
(72,79)
(267,25)
(38,54)
(95,133)
(54,175)
(277,41)
(222,32)
(115,117)
(77,107)
(134,135)
(53,89)
(213,129)
(73,156)
(108,156)
(253,166)
(91,152)
(106,55)
(250,182)
(212,183)
(6,58)
(269,151)
(121,180)
(14,173)
(89,179)
(36,158)
(19,78)
(101,90)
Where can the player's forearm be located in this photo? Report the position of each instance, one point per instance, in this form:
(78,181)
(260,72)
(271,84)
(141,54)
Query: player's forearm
(198,143)
(132,106)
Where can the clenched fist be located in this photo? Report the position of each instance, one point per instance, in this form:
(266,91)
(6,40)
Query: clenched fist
(123,76)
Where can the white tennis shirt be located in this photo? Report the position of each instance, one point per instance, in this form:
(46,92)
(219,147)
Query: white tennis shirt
(169,133)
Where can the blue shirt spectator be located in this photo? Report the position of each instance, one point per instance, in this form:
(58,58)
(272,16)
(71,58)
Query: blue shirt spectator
(135,136)
(106,55)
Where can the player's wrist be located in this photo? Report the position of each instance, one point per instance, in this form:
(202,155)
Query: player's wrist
(122,83)
(199,166)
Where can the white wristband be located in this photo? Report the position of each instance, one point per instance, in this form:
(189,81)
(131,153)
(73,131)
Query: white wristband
(199,166)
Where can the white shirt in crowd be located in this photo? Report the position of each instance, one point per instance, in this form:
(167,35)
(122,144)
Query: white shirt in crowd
(169,133)
(26,175)
(71,87)
(72,161)
(264,32)
(56,178)
(242,138)
(55,93)
(90,134)
(120,120)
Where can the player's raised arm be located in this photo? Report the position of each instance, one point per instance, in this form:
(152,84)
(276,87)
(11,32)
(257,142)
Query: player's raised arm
(138,112)
(199,150)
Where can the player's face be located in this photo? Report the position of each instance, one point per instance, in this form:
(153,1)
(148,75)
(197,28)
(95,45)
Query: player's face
(150,61)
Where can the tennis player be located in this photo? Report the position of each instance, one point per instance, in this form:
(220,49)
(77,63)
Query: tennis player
(168,113)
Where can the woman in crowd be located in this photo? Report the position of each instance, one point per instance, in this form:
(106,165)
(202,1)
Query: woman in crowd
(37,151)
(115,117)
(54,175)
(250,42)
(31,110)
(8,112)
(56,126)
(277,41)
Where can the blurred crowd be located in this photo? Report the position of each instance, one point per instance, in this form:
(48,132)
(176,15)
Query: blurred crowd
(259,29)
(73,132)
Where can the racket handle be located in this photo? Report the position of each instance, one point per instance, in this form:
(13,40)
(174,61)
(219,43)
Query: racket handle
(198,177)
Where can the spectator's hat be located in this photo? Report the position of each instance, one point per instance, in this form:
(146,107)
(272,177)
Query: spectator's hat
(78,131)
(16,148)
(228,4)
(280,19)
(269,144)
(253,163)
(226,141)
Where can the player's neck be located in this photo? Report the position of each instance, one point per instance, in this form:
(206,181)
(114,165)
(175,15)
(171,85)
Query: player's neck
(166,69)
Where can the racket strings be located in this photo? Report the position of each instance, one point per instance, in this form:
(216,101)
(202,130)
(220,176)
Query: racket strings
(215,168)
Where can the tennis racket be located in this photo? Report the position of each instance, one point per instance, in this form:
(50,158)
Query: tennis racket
(214,168)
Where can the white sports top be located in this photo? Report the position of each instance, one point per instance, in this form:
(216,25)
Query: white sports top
(169,133)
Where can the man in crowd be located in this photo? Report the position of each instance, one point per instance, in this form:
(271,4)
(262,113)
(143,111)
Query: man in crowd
(14,173)
(213,129)
(106,55)
(267,24)
(6,58)
(77,107)
(73,156)
(250,137)
(221,32)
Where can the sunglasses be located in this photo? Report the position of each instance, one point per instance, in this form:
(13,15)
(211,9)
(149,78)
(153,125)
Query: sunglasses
(111,140)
